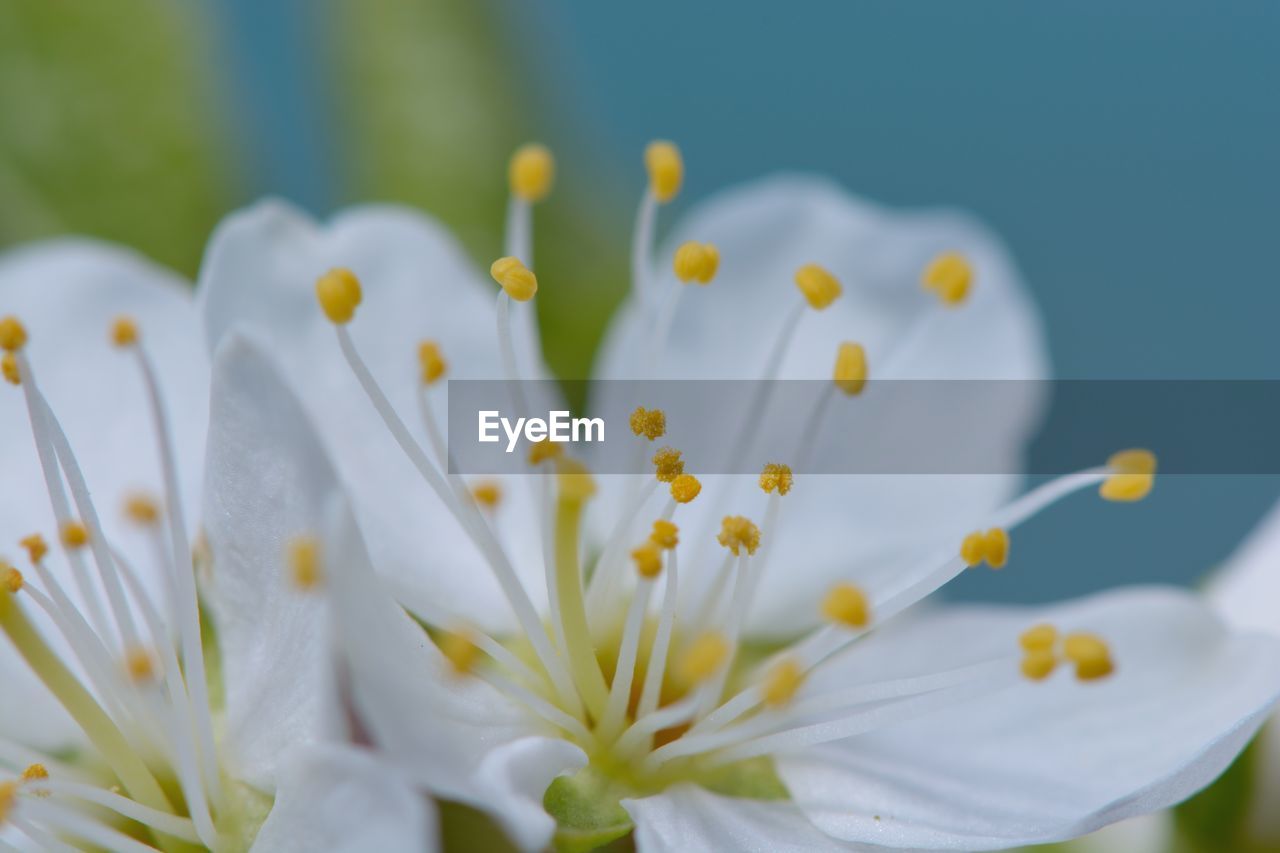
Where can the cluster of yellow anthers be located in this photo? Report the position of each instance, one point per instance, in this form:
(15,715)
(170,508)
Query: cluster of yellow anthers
(682,708)
(1043,648)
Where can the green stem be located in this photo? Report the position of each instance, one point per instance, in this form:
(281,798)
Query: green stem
(583,665)
(132,772)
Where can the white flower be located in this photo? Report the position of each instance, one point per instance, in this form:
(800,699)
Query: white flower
(111,735)
(958,728)
(1245,590)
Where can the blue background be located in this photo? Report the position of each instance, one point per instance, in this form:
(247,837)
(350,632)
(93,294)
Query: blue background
(1127,152)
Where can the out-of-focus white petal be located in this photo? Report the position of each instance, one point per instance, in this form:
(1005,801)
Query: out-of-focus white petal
(259,276)
(455,734)
(690,819)
(268,481)
(349,801)
(67,293)
(29,715)
(1247,585)
(843,526)
(1040,762)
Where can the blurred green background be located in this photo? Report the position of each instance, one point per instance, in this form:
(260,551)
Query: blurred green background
(1127,152)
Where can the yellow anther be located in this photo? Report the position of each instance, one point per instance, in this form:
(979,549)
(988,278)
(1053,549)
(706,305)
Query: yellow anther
(847,604)
(139,665)
(487,493)
(650,423)
(702,659)
(142,509)
(35,773)
(850,374)
(11,577)
(74,534)
(738,532)
(695,261)
(575,481)
(776,477)
(949,276)
(431,361)
(820,288)
(665,534)
(9,367)
(666,170)
(1134,477)
(543,450)
(1041,637)
(516,279)
(13,335)
(668,464)
(8,799)
(648,560)
(124,331)
(338,292)
(782,682)
(35,547)
(461,652)
(991,547)
(1090,654)
(685,488)
(306,571)
(531,172)
(1038,664)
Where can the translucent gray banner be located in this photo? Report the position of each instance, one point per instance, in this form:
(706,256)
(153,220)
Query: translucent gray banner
(890,427)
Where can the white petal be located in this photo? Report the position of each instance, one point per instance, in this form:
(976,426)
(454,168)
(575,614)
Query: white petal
(67,292)
(766,230)
(1247,586)
(456,735)
(1041,762)
(346,800)
(690,819)
(259,275)
(268,481)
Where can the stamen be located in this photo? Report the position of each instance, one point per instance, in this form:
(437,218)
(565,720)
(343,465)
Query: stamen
(8,799)
(846,604)
(624,672)
(140,665)
(339,293)
(518,281)
(1134,476)
(650,423)
(850,374)
(531,173)
(695,261)
(652,691)
(776,478)
(949,276)
(576,486)
(432,363)
(35,547)
(702,659)
(648,560)
(685,488)
(74,534)
(13,335)
(487,493)
(543,450)
(124,332)
(10,577)
(1038,664)
(142,510)
(666,170)
(738,533)
(9,367)
(782,682)
(991,547)
(819,287)
(35,773)
(668,464)
(461,652)
(1038,638)
(1090,654)
(665,534)
(303,558)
